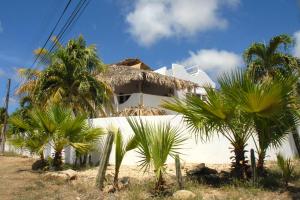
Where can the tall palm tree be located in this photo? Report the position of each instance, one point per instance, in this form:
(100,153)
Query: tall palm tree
(69,77)
(27,88)
(216,115)
(155,143)
(2,115)
(265,60)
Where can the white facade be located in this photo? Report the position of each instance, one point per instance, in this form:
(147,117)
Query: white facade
(215,151)
(193,74)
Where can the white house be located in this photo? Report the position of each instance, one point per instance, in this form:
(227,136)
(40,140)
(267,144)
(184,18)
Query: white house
(137,88)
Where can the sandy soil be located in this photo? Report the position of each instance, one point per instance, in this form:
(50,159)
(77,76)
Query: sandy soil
(18,182)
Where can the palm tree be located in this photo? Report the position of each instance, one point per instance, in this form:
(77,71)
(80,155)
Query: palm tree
(270,104)
(122,147)
(58,127)
(69,77)
(216,115)
(266,60)
(155,142)
(27,90)
(24,136)
(2,115)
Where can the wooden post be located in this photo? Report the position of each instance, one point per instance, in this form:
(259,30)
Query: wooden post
(253,167)
(3,135)
(141,94)
(104,159)
(178,172)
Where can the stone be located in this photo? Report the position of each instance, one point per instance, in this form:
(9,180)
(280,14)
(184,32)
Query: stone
(109,178)
(200,166)
(66,175)
(212,179)
(183,195)
(124,180)
(201,171)
(109,189)
(39,165)
(72,175)
(55,175)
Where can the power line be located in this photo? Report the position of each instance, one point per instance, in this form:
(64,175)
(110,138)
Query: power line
(39,54)
(77,12)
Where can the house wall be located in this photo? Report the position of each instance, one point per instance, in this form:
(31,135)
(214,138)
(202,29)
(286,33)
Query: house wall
(217,150)
(148,99)
(179,71)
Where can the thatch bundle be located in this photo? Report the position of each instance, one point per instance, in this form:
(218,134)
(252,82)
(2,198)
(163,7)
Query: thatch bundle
(141,111)
(118,75)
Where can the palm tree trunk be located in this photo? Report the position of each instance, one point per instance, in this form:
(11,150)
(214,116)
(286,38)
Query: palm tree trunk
(260,162)
(57,160)
(160,183)
(239,165)
(42,156)
(116,178)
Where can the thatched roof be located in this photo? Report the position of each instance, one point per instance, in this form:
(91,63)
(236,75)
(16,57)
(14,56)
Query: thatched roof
(141,110)
(135,63)
(118,75)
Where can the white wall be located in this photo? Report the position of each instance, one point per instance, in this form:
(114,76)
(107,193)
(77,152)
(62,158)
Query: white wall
(215,151)
(148,99)
(179,71)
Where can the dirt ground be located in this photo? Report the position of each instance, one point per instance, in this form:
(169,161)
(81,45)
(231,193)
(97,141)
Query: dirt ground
(18,182)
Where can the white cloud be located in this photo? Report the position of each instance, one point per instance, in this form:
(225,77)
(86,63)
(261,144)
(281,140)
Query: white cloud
(1,27)
(213,61)
(151,20)
(297,44)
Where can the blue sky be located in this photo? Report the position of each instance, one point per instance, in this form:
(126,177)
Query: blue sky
(212,34)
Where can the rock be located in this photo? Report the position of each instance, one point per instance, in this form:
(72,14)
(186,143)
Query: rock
(212,179)
(39,165)
(224,175)
(184,195)
(201,171)
(124,180)
(55,175)
(109,178)
(66,175)
(77,198)
(109,189)
(200,166)
(72,175)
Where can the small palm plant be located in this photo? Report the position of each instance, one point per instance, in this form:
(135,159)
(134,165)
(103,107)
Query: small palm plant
(155,143)
(121,148)
(286,167)
(58,127)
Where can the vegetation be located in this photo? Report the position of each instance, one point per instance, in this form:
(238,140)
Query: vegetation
(217,115)
(121,147)
(55,126)
(286,167)
(260,103)
(155,142)
(68,79)
(267,60)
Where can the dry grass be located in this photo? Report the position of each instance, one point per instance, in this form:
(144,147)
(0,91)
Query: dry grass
(19,182)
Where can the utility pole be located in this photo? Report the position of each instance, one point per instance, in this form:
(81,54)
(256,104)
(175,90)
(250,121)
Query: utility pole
(3,135)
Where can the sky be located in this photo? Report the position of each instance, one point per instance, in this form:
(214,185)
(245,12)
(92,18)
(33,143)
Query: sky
(210,33)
